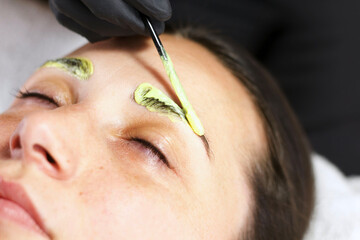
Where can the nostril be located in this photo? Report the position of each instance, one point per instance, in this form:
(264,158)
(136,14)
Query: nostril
(50,158)
(46,155)
(15,147)
(15,143)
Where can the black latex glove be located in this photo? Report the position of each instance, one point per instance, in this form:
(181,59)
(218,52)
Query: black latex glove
(100,19)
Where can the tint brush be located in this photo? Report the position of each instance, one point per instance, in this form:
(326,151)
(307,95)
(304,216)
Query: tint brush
(189,112)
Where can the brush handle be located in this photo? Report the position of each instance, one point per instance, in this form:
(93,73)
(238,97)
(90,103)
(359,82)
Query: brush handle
(154,36)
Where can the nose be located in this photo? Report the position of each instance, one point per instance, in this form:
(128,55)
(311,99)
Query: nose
(37,141)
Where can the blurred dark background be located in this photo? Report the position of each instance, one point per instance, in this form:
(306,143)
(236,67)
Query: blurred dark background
(312,49)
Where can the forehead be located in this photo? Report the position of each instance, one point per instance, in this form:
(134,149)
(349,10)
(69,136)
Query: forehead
(223,104)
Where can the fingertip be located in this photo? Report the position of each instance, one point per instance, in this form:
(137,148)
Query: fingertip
(160,10)
(164,11)
(95,38)
(137,25)
(74,26)
(159,26)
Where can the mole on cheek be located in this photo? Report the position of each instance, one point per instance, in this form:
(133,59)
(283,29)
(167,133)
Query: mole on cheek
(81,68)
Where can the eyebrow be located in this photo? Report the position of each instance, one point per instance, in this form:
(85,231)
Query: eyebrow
(79,67)
(155,100)
(169,108)
(206,145)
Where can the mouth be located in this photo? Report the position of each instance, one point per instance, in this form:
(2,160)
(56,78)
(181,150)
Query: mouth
(16,206)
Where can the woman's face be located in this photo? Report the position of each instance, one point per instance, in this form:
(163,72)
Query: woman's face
(87,175)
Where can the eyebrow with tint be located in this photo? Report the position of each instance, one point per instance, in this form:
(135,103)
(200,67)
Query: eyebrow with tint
(80,68)
(156,101)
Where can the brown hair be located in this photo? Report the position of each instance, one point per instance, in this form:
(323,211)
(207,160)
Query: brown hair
(282,183)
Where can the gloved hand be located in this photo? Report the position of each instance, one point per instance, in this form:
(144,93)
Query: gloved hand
(100,19)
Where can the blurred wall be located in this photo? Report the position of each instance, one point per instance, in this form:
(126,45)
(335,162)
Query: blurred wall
(29,35)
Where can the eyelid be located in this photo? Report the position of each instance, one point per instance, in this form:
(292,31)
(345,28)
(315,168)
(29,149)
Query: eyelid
(158,135)
(153,148)
(32,94)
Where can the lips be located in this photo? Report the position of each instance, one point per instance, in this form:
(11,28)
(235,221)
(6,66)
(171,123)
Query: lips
(16,206)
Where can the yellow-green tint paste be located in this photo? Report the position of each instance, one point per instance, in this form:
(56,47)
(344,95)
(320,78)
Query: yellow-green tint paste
(156,101)
(81,68)
(189,112)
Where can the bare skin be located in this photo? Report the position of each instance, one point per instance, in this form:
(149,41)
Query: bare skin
(101,183)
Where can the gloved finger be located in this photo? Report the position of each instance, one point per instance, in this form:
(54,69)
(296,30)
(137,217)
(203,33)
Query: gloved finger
(117,12)
(79,13)
(74,26)
(158,26)
(159,10)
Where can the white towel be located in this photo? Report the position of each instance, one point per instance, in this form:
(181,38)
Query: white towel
(337,204)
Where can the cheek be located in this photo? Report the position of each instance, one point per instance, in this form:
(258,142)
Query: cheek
(120,206)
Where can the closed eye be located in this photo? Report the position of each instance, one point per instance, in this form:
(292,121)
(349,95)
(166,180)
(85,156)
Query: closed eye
(153,150)
(26,94)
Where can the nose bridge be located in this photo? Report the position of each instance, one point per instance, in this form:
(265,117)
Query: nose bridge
(48,139)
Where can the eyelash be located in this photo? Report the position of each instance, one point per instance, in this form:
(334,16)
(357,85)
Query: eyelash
(155,151)
(26,94)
